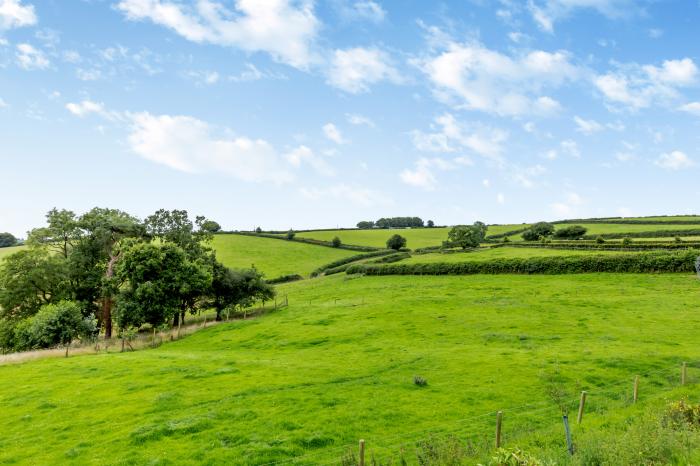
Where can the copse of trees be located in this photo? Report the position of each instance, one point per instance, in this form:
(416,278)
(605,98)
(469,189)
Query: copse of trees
(114,268)
(467,236)
(392,222)
(7,240)
(538,231)
(572,232)
(396,242)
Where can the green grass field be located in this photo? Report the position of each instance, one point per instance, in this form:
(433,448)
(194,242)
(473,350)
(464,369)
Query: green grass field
(272,256)
(416,237)
(602,228)
(487,254)
(338,365)
(11,250)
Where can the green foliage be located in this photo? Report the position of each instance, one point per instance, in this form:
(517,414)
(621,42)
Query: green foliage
(63,230)
(232,288)
(159,281)
(29,279)
(210,226)
(364,225)
(396,242)
(419,381)
(7,240)
(641,262)
(571,232)
(514,457)
(335,242)
(430,224)
(537,231)
(347,260)
(290,234)
(284,279)
(258,230)
(316,242)
(682,414)
(399,222)
(600,240)
(627,241)
(467,236)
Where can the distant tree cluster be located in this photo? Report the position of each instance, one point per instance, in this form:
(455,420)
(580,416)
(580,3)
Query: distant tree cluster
(7,240)
(393,222)
(545,230)
(83,274)
(467,236)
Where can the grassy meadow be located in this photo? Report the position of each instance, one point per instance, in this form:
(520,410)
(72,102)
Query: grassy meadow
(416,237)
(487,254)
(11,250)
(274,257)
(338,364)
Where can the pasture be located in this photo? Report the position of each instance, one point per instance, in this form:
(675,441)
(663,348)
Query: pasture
(11,250)
(338,365)
(273,257)
(486,254)
(416,237)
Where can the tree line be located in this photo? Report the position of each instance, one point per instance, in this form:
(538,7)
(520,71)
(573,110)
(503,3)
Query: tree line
(395,222)
(82,275)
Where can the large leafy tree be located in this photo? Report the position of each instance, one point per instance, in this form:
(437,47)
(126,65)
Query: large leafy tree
(538,231)
(30,279)
(231,288)
(7,239)
(156,279)
(61,233)
(467,236)
(396,242)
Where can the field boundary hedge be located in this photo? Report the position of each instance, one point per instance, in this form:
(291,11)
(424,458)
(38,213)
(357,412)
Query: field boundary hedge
(645,246)
(642,262)
(316,242)
(284,279)
(347,260)
(647,234)
(636,221)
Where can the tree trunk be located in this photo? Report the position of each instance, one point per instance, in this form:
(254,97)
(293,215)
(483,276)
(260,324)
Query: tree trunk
(218,315)
(176,319)
(107,300)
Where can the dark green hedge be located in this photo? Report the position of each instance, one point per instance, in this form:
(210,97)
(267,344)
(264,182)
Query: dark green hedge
(507,233)
(624,221)
(285,279)
(347,260)
(591,245)
(647,234)
(643,262)
(317,242)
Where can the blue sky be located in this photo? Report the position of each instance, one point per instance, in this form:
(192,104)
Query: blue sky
(300,114)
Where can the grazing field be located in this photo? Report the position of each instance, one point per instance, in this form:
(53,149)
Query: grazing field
(416,237)
(487,254)
(11,250)
(274,257)
(603,228)
(338,365)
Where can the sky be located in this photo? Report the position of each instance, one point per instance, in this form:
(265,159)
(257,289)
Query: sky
(301,114)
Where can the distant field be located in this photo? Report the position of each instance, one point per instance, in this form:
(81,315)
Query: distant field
(416,237)
(500,253)
(602,228)
(680,218)
(338,364)
(272,256)
(7,251)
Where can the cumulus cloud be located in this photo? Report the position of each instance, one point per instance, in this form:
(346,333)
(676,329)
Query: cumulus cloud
(354,70)
(423,173)
(365,10)
(546,13)
(471,76)
(86,107)
(303,155)
(359,120)
(286,29)
(15,14)
(639,86)
(353,194)
(692,107)
(334,134)
(31,58)
(450,136)
(587,127)
(675,160)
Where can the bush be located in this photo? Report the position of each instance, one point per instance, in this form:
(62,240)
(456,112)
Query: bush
(335,242)
(365,225)
(420,381)
(572,232)
(284,279)
(682,414)
(537,231)
(7,239)
(641,262)
(600,240)
(396,242)
(290,234)
(627,241)
(514,457)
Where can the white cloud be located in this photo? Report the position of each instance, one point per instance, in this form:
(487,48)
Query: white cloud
(486,183)
(451,135)
(187,144)
(423,174)
(334,134)
(640,86)
(570,148)
(253,73)
(355,70)
(550,154)
(546,13)
(3,104)
(303,154)
(472,76)
(624,156)
(31,58)
(692,107)
(358,120)
(567,207)
(525,177)
(587,127)
(675,160)
(286,29)
(354,194)
(366,10)
(15,14)
(86,107)
(72,56)
(92,74)
(500,198)
(202,78)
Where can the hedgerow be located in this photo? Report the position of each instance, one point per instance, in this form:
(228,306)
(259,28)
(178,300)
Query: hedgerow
(284,279)
(647,234)
(317,242)
(639,246)
(347,260)
(643,262)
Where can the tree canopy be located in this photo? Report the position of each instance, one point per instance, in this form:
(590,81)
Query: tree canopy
(467,236)
(396,242)
(538,231)
(7,240)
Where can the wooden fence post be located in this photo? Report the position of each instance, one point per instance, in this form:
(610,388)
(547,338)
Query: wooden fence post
(499,421)
(684,372)
(153,343)
(635,393)
(362,453)
(581,405)
(205,320)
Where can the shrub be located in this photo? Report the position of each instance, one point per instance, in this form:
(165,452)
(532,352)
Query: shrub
(396,242)
(600,240)
(505,239)
(290,234)
(514,457)
(284,279)
(365,225)
(537,231)
(420,381)
(627,241)
(258,230)
(467,236)
(682,414)
(335,242)
(678,239)
(572,232)
(431,224)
